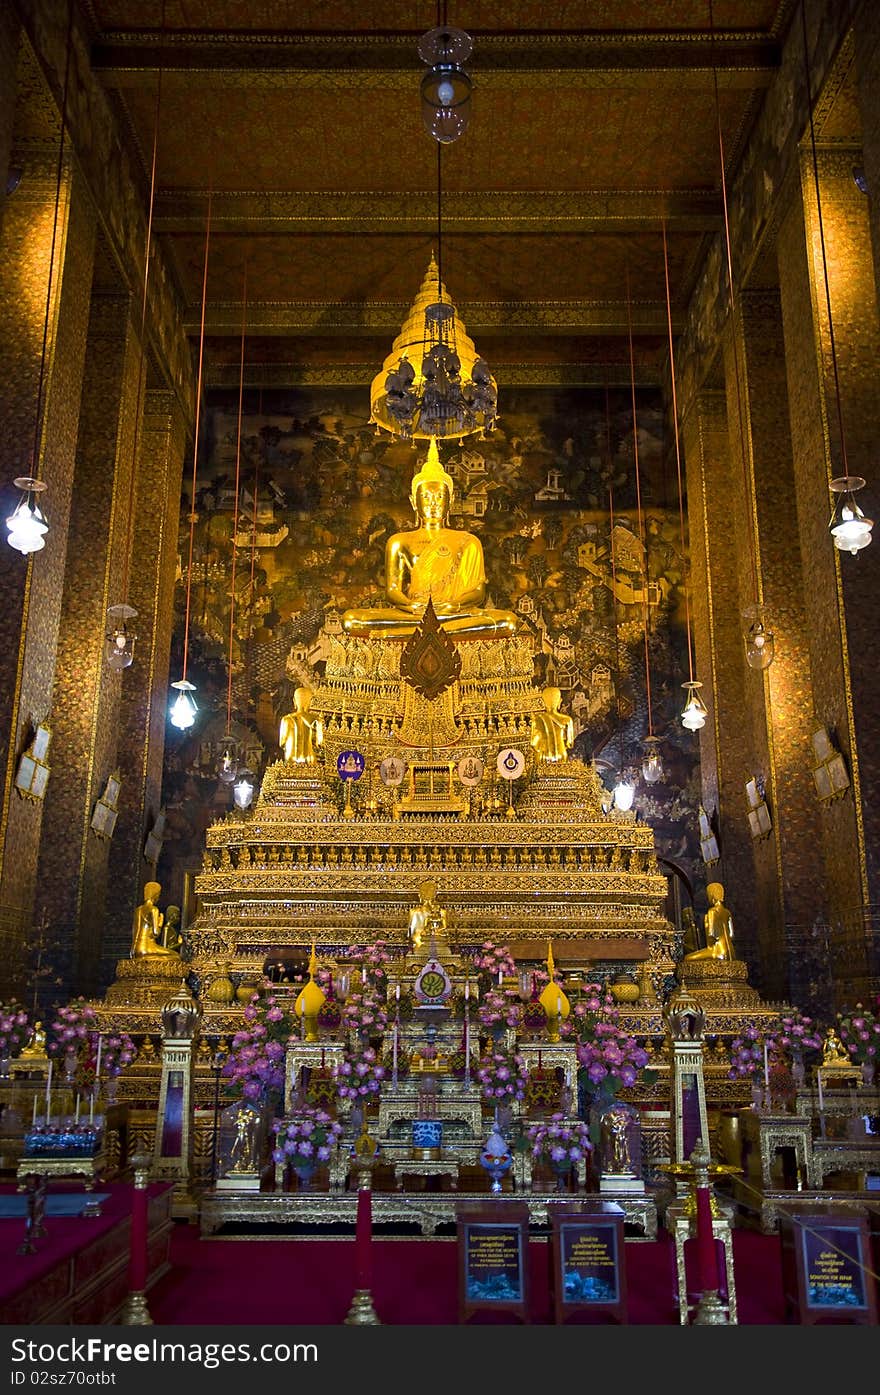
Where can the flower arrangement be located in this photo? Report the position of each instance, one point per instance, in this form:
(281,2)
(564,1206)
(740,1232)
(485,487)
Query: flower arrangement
(360,1073)
(610,1057)
(255,1065)
(365,1010)
(69,1030)
(373,958)
(558,1142)
(785,1045)
(499,1009)
(75,1040)
(307,1139)
(502,1075)
(15,1028)
(490,960)
(859,1030)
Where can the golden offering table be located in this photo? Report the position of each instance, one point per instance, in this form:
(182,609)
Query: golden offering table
(89,1168)
(426,1167)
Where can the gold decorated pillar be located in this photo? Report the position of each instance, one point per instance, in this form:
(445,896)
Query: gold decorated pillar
(143,707)
(10,35)
(719,655)
(866,46)
(778,704)
(88,692)
(840,600)
(30,640)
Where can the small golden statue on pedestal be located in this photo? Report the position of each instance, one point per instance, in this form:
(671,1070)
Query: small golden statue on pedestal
(834,1053)
(36,1047)
(427,920)
(301,732)
(718,923)
(552,730)
(147,926)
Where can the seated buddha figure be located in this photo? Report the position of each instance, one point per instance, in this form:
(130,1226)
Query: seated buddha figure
(301,731)
(552,730)
(432,560)
(718,923)
(147,926)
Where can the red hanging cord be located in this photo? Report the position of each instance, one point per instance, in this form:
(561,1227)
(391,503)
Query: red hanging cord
(192,511)
(684,558)
(632,381)
(235,508)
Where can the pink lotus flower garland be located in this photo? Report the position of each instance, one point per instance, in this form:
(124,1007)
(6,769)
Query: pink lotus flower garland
(15,1027)
(255,1065)
(360,1073)
(491,959)
(498,1008)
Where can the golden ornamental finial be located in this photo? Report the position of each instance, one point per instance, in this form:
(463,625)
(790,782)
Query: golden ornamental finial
(551,967)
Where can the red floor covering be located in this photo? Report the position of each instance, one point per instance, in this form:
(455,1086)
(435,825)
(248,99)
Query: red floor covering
(305,1281)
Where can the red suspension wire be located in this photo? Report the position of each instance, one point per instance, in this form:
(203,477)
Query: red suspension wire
(192,510)
(684,557)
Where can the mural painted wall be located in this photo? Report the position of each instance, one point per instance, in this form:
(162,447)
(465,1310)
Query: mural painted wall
(552,495)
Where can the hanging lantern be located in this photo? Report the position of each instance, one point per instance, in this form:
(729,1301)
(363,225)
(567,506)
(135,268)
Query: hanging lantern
(693,714)
(445,87)
(183,709)
(760,643)
(27,523)
(243,789)
(624,793)
(227,761)
(652,765)
(119,649)
(849,527)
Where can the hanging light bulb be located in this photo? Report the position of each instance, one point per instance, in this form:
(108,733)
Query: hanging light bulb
(760,643)
(27,523)
(445,87)
(624,793)
(119,649)
(227,761)
(652,765)
(183,709)
(849,527)
(243,789)
(693,714)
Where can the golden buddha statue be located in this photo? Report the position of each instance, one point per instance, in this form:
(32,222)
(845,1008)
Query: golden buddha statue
(147,926)
(834,1053)
(427,918)
(302,732)
(432,560)
(718,923)
(552,730)
(36,1046)
(171,937)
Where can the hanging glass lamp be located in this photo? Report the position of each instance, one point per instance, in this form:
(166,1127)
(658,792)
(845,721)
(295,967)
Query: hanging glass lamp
(760,643)
(227,760)
(652,764)
(27,524)
(243,789)
(119,647)
(693,714)
(183,709)
(624,793)
(445,87)
(849,527)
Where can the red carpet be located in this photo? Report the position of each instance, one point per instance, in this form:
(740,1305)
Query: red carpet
(305,1281)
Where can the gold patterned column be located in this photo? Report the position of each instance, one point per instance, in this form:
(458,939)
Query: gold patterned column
(88,693)
(32,588)
(779,700)
(866,45)
(840,600)
(725,752)
(144,706)
(10,35)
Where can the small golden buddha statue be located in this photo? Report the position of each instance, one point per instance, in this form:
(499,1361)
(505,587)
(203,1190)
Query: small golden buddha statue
(302,732)
(718,923)
(432,560)
(147,926)
(552,730)
(171,937)
(834,1054)
(427,918)
(36,1047)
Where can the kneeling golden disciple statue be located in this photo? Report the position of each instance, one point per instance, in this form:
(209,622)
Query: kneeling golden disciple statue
(552,730)
(432,560)
(302,731)
(718,923)
(147,926)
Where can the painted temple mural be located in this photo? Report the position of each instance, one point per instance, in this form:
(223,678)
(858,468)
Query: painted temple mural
(551,494)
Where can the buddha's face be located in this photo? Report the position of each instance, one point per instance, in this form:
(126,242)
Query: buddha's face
(432,501)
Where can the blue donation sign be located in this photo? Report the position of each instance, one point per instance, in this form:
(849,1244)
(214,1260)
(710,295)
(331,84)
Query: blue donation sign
(589,1262)
(493,1263)
(834,1267)
(350,765)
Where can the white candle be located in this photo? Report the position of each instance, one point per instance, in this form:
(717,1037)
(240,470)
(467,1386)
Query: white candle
(821,1098)
(467,1049)
(500,978)
(34,1120)
(397,992)
(364,974)
(394,1058)
(98,1060)
(766,1065)
(467,989)
(76,1116)
(49,1091)
(92,1108)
